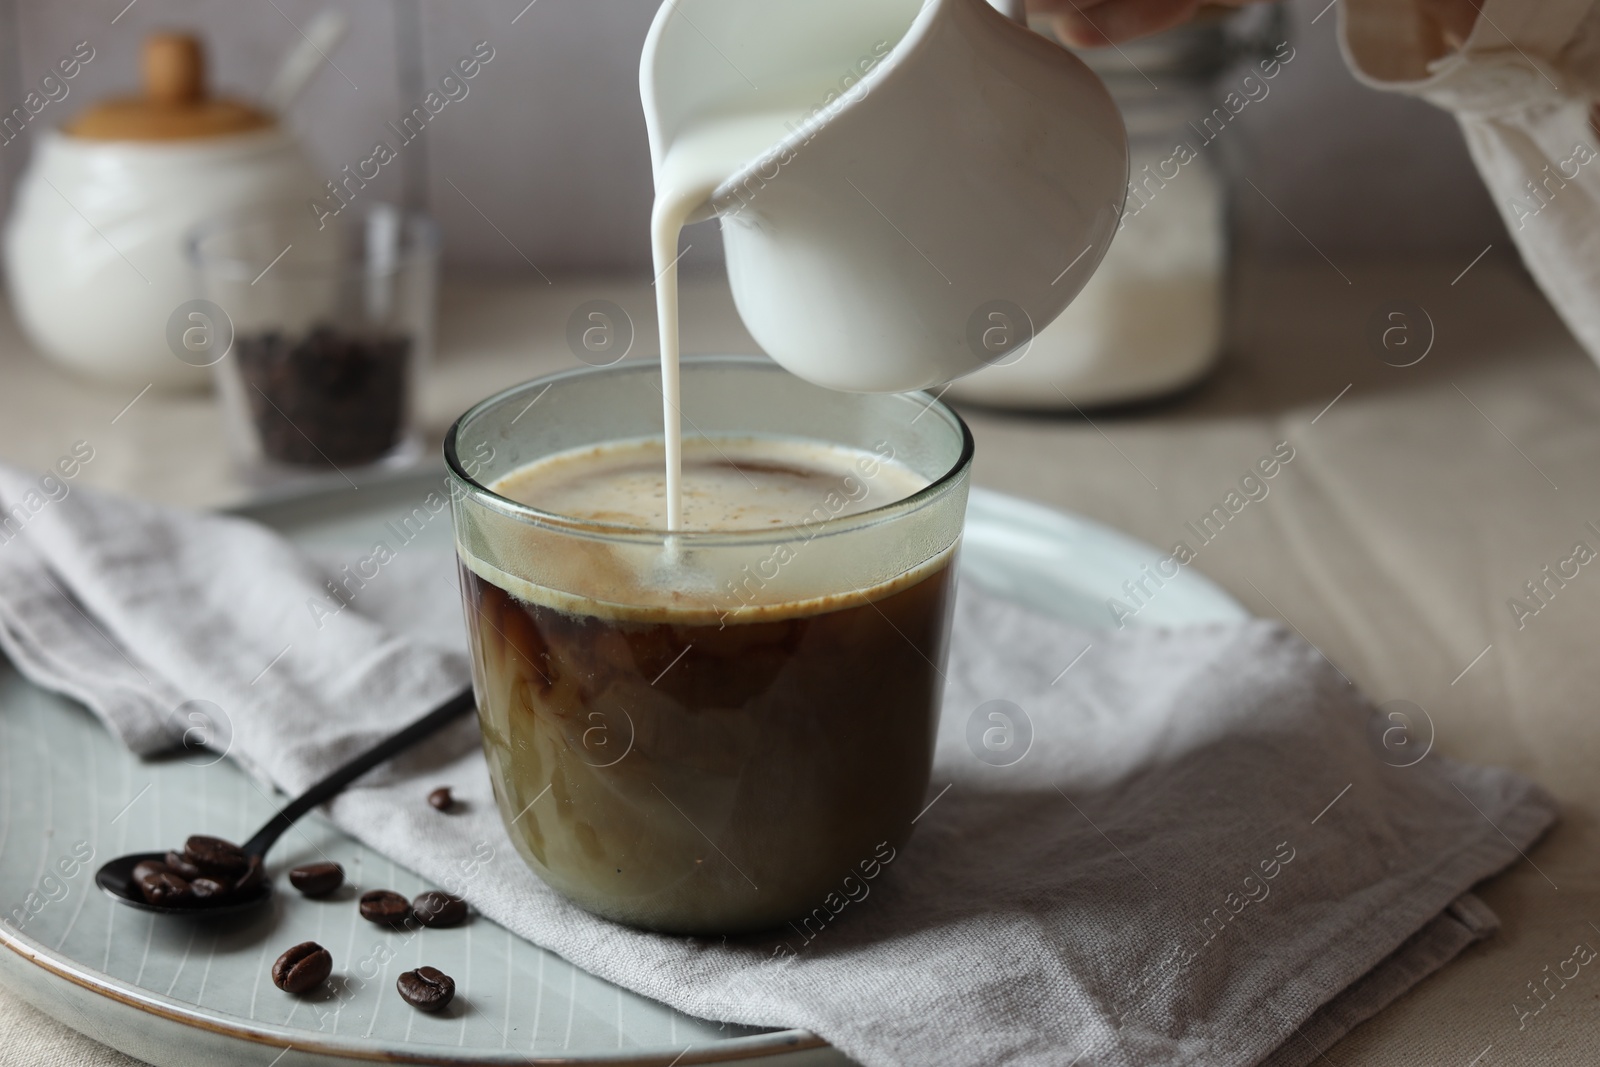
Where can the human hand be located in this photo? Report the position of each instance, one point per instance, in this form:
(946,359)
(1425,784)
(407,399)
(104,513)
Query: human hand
(1449,21)
(1088,23)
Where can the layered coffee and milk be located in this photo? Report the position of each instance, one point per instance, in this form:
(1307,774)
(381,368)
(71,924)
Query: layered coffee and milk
(705,753)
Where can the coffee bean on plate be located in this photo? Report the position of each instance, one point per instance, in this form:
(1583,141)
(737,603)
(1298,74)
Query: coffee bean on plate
(164,889)
(215,856)
(182,867)
(434,908)
(426,989)
(302,968)
(385,907)
(442,799)
(317,879)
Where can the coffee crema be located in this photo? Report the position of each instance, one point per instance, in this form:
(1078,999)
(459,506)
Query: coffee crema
(729,484)
(789,488)
(673,764)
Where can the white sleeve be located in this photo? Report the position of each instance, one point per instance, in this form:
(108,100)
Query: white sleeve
(1522,88)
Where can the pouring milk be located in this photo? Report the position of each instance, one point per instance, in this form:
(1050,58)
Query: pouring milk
(699,160)
(895,178)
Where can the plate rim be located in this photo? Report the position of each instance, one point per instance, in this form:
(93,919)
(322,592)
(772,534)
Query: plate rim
(773,1043)
(1049,519)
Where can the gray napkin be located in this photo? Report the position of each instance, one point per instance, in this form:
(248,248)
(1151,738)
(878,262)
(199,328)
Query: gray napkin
(1193,846)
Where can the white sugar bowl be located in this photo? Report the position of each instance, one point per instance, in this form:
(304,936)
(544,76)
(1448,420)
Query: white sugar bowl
(95,244)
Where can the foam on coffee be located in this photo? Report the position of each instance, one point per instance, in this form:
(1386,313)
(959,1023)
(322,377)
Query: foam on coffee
(730,485)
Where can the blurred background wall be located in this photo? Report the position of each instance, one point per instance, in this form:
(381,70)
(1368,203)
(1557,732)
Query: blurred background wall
(545,162)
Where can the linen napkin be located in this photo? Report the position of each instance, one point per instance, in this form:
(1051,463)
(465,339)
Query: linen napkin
(1182,846)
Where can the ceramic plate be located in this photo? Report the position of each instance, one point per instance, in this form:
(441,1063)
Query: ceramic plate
(176,993)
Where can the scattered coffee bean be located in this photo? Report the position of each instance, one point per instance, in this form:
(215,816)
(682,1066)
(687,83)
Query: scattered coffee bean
(182,867)
(441,799)
(427,989)
(165,889)
(302,968)
(209,890)
(215,856)
(434,908)
(385,908)
(317,879)
(145,868)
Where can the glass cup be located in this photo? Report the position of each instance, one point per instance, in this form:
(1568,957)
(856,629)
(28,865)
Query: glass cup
(709,732)
(331,323)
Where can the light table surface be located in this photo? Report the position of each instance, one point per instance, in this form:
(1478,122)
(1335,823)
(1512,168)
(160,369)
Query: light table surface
(1420,501)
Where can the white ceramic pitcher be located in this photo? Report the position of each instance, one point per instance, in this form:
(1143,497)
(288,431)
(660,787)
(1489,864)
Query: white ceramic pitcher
(948,182)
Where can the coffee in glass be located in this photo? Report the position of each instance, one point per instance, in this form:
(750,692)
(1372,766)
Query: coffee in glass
(706,730)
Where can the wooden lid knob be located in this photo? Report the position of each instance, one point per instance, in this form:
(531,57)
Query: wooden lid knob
(174,69)
(176,104)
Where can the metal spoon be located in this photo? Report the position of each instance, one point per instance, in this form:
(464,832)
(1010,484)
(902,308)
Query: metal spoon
(116,877)
(305,58)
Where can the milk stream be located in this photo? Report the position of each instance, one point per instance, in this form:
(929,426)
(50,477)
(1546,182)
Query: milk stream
(699,160)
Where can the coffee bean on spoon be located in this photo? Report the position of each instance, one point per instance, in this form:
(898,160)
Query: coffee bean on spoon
(182,867)
(317,879)
(209,891)
(302,968)
(426,989)
(146,868)
(384,907)
(434,908)
(164,889)
(215,856)
(442,799)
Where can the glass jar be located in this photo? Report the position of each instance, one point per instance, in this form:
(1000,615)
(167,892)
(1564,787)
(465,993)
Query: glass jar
(331,321)
(1152,318)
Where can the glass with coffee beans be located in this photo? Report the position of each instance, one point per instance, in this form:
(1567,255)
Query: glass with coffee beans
(319,326)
